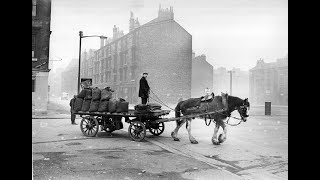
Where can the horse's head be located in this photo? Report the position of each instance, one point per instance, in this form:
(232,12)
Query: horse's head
(244,109)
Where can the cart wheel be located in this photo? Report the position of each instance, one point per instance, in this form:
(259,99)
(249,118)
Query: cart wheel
(137,131)
(157,128)
(89,126)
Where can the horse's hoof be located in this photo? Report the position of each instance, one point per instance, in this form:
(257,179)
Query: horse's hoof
(221,139)
(176,139)
(194,142)
(215,142)
(172,134)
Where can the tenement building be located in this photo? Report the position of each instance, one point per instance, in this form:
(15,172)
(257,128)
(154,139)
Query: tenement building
(161,47)
(202,75)
(41,15)
(269,82)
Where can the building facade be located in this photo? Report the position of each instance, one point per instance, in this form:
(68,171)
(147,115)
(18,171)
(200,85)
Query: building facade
(269,82)
(41,18)
(160,47)
(202,75)
(69,78)
(240,82)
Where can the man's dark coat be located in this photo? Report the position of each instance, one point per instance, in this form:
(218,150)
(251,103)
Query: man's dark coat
(144,88)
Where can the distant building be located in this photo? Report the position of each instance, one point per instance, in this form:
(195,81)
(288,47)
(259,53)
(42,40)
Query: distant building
(269,82)
(41,18)
(221,80)
(161,47)
(240,82)
(69,78)
(55,81)
(202,76)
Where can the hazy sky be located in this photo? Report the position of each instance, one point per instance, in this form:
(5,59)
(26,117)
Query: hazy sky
(231,33)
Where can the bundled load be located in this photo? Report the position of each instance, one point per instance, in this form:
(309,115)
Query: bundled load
(96,94)
(122,106)
(149,107)
(112,105)
(94,106)
(99,100)
(87,99)
(86,105)
(77,104)
(103,106)
(106,94)
(154,106)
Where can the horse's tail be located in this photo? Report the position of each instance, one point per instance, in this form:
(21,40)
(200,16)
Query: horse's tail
(177,109)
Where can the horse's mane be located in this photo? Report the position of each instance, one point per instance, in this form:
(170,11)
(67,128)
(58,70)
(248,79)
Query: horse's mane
(234,101)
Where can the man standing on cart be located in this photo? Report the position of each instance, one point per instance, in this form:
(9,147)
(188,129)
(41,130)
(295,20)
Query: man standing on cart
(144,89)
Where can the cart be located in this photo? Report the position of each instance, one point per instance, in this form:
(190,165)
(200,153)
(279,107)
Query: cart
(139,122)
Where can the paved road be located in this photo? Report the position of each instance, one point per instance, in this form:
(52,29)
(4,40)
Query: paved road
(256,149)
(60,151)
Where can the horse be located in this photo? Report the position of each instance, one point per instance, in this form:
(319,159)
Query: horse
(226,103)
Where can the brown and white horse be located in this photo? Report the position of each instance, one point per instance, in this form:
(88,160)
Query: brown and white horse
(195,105)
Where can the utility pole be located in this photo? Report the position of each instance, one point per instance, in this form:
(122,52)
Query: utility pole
(231,71)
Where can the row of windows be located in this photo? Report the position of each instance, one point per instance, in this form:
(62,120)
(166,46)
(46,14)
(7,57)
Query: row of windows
(125,75)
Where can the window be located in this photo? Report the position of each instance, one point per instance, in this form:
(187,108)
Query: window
(34,7)
(33,85)
(34,47)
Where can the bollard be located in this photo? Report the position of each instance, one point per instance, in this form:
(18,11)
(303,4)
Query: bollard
(267,108)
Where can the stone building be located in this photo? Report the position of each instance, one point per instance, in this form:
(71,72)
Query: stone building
(202,75)
(41,18)
(161,47)
(269,82)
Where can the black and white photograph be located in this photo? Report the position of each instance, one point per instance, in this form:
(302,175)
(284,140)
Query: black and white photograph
(160,89)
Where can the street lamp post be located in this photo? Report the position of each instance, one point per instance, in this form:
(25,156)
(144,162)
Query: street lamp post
(231,80)
(80,37)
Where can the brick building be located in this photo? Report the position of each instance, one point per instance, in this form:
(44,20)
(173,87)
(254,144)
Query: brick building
(41,18)
(269,82)
(160,47)
(202,75)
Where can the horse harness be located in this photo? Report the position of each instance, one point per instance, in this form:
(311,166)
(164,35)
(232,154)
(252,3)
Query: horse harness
(228,114)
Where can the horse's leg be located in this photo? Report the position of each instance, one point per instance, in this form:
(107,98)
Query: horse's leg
(222,137)
(174,133)
(214,137)
(188,126)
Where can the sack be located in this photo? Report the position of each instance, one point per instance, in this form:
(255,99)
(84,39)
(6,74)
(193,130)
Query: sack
(86,105)
(105,94)
(94,106)
(122,106)
(141,107)
(154,106)
(96,94)
(88,93)
(78,104)
(112,105)
(82,94)
(103,106)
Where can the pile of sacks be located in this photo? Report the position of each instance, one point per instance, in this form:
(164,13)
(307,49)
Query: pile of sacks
(99,100)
